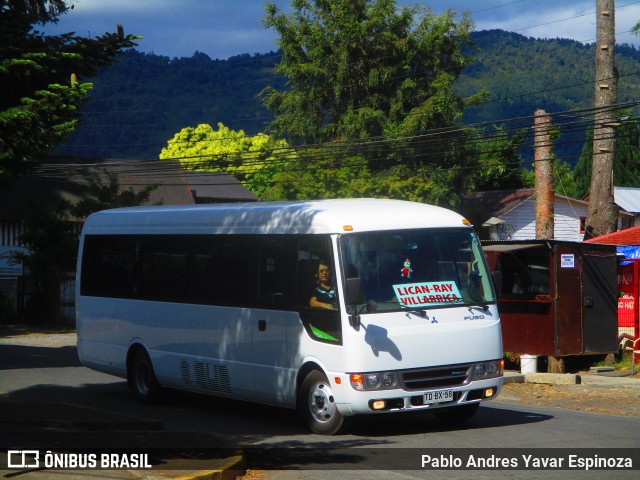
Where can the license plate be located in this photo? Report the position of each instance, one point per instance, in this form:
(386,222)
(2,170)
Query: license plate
(438,397)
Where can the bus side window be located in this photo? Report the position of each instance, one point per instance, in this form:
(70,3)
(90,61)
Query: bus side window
(109,266)
(311,251)
(277,270)
(163,268)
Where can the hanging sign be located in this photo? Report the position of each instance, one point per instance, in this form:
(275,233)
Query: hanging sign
(567,260)
(427,293)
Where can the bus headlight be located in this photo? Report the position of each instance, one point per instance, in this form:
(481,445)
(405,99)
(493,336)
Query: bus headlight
(374,381)
(484,370)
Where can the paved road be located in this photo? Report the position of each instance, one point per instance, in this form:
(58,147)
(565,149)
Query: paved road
(47,396)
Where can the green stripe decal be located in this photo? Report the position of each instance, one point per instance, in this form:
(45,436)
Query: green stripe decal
(320,334)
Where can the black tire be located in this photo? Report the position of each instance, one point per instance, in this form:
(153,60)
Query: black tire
(456,415)
(143,378)
(317,406)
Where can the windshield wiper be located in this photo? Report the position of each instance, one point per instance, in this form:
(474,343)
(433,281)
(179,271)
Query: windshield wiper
(403,308)
(419,313)
(484,307)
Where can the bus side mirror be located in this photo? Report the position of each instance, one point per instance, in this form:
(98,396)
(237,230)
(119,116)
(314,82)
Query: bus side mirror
(354,291)
(497,281)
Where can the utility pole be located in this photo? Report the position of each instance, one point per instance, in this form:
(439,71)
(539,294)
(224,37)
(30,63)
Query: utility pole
(543,163)
(602,215)
(543,175)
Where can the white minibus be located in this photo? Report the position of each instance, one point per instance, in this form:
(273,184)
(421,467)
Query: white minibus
(333,307)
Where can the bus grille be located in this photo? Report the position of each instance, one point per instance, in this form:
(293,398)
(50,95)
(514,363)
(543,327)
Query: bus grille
(436,377)
(212,377)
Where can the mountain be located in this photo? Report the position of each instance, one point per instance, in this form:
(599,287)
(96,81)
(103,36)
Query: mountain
(142,101)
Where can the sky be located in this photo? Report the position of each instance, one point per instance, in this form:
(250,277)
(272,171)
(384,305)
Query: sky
(224,28)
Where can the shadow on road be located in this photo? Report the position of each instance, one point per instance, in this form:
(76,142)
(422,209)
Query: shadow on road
(89,410)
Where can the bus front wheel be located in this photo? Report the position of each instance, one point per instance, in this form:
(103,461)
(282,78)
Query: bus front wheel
(317,405)
(143,378)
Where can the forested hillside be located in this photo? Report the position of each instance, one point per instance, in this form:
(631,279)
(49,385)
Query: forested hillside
(523,74)
(140,103)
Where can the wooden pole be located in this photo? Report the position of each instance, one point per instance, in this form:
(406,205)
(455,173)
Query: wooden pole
(602,214)
(543,175)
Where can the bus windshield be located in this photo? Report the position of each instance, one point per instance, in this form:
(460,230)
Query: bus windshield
(417,269)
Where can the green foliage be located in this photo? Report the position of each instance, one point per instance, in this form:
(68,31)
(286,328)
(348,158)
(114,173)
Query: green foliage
(51,238)
(108,195)
(626,166)
(523,74)
(253,160)
(365,68)
(41,103)
(499,161)
(563,178)
(145,99)
(145,108)
(316,175)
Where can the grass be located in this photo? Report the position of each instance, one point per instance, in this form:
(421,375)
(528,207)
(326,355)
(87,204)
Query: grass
(623,363)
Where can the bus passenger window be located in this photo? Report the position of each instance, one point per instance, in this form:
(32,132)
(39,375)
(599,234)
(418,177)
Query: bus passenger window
(277,270)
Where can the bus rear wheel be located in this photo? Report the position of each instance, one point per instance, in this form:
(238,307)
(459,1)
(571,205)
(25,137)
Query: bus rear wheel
(317,405)
(143,378)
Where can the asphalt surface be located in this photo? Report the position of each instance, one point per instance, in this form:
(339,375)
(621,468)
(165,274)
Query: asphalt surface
(28,423)
(34,423)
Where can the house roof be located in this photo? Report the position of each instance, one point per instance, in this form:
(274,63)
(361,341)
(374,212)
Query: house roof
(627,236)
(480,207)
(66,179)
(627,198)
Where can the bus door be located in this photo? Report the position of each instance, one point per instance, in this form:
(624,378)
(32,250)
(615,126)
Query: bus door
(272,358)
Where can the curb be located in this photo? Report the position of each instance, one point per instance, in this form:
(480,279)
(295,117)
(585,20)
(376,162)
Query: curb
(234,467)
(554,378)
(551,378)
(512,377)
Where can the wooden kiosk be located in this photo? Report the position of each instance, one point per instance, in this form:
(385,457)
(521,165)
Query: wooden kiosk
(556,298)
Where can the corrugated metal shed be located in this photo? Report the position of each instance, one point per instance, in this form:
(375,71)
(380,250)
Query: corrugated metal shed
(628,236)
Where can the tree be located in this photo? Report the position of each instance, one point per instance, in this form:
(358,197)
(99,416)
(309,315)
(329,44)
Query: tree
(626,165)
(253,160)
(368,69)
(103,196)
(51,244)
(364,68)
(51,240)
(41,98)
(316,174)
(499,161)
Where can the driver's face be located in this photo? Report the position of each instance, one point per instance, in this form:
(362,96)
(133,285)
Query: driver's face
(324,273)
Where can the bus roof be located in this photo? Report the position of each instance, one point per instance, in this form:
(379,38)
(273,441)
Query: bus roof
(318,216)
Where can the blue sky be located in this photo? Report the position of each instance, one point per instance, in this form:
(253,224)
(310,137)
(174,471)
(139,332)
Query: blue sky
(224,28)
